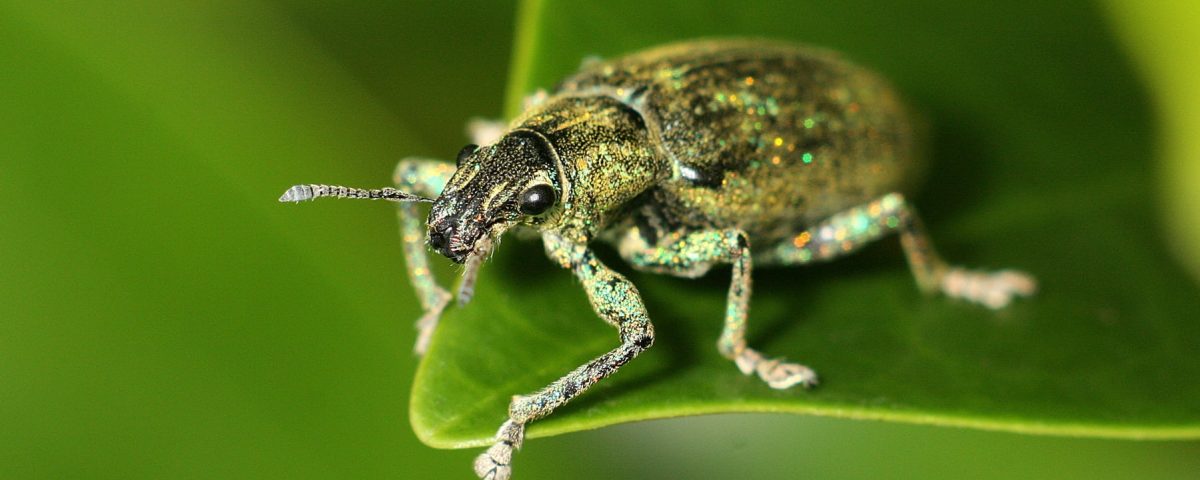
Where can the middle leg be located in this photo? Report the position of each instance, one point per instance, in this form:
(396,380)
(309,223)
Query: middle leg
(691,255)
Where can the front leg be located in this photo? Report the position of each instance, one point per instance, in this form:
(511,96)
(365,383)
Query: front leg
(426,178)
(617,302)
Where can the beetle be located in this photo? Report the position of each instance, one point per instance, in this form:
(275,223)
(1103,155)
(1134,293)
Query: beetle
(684,156)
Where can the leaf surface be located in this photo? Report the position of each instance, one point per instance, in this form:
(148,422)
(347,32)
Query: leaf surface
(1041,160)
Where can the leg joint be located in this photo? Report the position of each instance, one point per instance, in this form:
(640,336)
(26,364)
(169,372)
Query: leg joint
(737,240)
(643,341)
(640,335)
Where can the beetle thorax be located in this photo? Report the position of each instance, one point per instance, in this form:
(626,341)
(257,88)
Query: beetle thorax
(606,155)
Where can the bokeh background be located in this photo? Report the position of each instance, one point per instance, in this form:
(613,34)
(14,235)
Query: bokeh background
(162,317)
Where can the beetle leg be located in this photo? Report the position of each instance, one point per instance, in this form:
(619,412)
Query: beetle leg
(534,99)
(848,231)
(482,131)
(617,302)
(427,178)
(695,252)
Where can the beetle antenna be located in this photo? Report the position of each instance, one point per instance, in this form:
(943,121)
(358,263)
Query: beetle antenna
(300,193)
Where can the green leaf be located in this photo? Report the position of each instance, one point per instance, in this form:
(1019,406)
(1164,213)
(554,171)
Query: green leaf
(161,314)
(1041,160)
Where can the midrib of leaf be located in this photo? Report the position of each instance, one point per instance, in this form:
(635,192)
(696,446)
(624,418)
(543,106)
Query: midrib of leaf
(529,13)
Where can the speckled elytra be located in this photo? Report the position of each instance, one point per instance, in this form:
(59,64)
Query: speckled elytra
(684,156)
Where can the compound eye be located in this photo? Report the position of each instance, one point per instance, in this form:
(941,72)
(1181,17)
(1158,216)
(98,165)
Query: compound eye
(537,199)
(466,152)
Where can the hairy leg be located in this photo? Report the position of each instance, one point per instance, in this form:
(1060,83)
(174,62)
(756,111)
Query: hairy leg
(426,178)
(617,302)
(691,255)
(850,230)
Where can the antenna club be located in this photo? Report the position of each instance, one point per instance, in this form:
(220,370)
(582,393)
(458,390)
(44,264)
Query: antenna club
(296,194)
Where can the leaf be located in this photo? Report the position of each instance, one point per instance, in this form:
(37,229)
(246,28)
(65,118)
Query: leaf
(161,315)
(1041,160)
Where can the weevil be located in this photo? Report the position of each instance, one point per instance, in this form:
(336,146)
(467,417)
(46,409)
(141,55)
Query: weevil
(685,156)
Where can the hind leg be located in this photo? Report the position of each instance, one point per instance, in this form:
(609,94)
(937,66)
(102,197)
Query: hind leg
(690,255)
(848,231)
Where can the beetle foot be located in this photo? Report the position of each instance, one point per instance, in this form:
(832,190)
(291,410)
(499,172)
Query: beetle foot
(428,321)
(994,290)
(496,462)
(778,374)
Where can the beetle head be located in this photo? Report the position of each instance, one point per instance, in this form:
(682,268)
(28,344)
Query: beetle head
(513,181)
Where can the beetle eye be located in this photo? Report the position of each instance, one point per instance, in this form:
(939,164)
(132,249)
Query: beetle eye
(537,199)
(467,150)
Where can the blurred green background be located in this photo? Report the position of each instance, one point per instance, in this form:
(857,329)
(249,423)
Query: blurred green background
(162,317)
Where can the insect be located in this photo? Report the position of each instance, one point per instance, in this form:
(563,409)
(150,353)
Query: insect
(685,156)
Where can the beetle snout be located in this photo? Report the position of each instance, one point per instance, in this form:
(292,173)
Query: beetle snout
(445,239)
(438,240)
